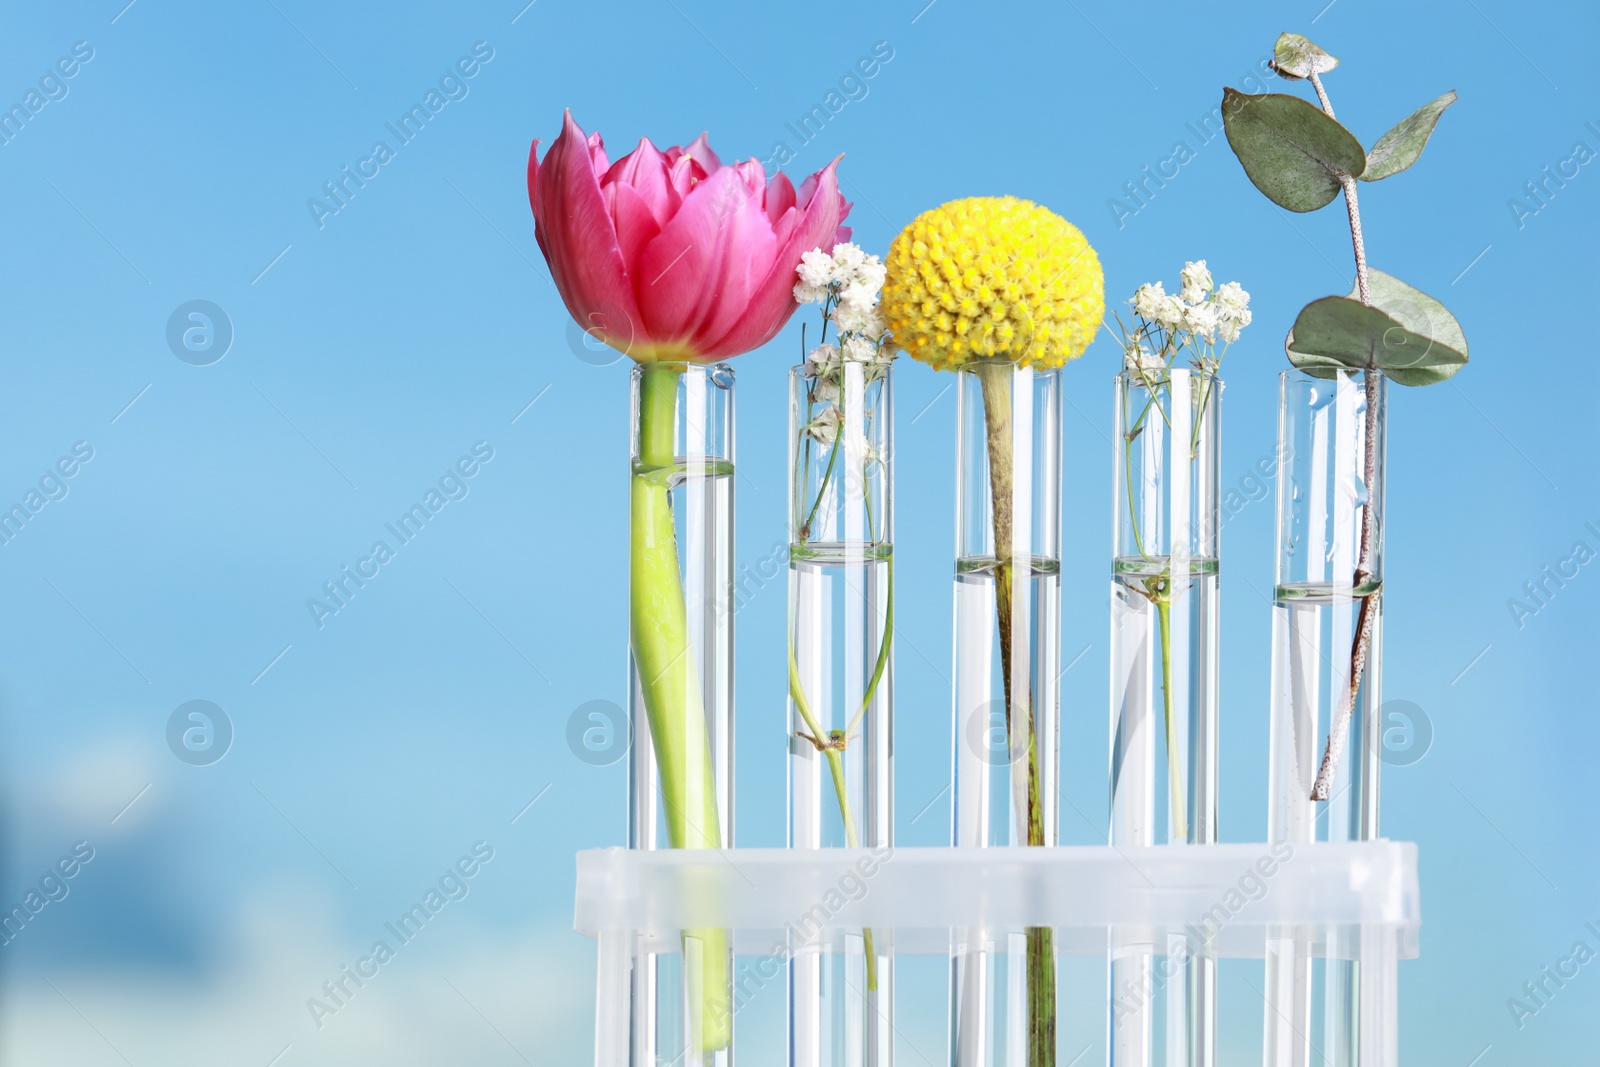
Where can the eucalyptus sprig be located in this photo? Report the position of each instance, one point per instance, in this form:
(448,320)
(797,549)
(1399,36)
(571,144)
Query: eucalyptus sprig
(1300,156)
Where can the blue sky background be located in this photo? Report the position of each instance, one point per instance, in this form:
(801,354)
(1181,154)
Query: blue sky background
(372,352)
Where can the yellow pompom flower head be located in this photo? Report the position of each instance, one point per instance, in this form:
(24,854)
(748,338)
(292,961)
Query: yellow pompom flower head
(993,278)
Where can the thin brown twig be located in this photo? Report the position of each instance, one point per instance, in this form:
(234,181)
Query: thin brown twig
(1339,728)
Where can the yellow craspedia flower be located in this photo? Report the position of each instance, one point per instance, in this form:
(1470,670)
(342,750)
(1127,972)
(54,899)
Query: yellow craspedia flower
(993,277)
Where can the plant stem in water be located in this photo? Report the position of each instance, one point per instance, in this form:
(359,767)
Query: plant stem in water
(1159,591)
(1361,648)
(996,382)
(1339,728)
(836,767)
(1180,827)
(882,663)
(822,490)
(832,745)
(658,627)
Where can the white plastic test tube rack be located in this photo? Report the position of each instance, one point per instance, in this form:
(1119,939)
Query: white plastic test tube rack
(1357,897)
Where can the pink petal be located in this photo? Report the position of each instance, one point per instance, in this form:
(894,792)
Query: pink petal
(683,174)
(696,279)
(780,197)
(842,234)
(754,176)
(575,232)
(808,189)
(636,224)
(700,150)
(772,301)
(645,169)
(825,209)
(597,153)
(533,174)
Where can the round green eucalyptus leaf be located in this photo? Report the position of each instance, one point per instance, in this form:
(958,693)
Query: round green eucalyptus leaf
(1400,147)
(1341,332)
(1295,57)
(1416,311)
(1294,153)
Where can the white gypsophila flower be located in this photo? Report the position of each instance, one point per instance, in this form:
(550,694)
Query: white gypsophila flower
(1232,298)
(855,318)
(825,427)
(810,294)
(859,282)
(849,318)
(857,294)
(883,353)
(1233,310)
(823,361)
(858,349)
(1146,299)
(847,260)
(1202,320)
(873,326)
(1169,312)
(1139,359)
(872,274)
(1232,323)
(1196,281)
(818,269)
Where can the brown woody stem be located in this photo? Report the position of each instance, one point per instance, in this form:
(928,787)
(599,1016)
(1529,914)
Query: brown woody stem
(996,382)
(1339,728)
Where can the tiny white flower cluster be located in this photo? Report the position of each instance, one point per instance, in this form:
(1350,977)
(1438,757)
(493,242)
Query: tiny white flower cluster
(846,282)
(1200,313)
(1196,282)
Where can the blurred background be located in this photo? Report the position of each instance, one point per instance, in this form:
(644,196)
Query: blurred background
(355,352)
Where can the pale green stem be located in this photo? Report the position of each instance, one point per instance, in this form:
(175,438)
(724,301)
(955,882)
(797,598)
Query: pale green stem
(834,744)
(827,476)
(669,683)
(831,745)
(1180,827)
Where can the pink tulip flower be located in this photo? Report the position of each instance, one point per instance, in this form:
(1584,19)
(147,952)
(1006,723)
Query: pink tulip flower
(672,255)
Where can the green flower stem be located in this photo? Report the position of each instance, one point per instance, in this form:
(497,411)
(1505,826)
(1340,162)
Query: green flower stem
(1180,826)
(1127,468)
(659,634)
(995,380)
(1158,589)
(836,767)
(832,745)
(883,650)
(827,476)
(1199,418)
(866,490)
